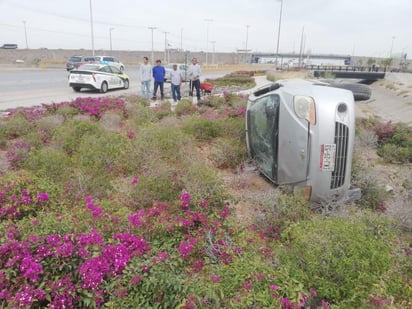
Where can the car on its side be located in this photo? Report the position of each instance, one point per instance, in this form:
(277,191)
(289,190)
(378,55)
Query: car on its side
(183,70)
(300,134)
(100,77)
(75,61)
(110,61)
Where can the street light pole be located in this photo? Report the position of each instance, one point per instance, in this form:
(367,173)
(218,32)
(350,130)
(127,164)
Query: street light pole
(213,55)
(151,60)
(280,22)
(165,57)
(91,26)
(25,34)
(208,21)
(247,35)
(110,35)
(390,53)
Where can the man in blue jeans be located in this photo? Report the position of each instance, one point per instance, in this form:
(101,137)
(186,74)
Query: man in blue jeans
(176,80)
(145,77)
(194,74)
(159,79)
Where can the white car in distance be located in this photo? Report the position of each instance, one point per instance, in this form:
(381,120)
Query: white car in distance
(109,60)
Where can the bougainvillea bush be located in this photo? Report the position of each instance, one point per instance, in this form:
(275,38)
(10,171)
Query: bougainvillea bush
(108,203)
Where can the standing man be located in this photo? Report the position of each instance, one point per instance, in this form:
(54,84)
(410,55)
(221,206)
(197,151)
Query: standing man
(176,80)
(159,79)
(194,74)
(145,77)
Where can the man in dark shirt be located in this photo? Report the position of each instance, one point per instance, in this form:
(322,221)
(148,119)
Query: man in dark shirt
(159,79)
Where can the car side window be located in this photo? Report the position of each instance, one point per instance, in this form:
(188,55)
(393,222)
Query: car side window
(105,69)
(115,70)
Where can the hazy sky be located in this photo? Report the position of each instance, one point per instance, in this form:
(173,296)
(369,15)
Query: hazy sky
(350,27)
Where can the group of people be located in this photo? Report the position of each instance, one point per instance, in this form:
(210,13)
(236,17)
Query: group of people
(158,72)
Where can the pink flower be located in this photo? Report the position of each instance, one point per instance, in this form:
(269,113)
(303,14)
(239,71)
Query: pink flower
(185,248)
(313,292)
(215,278)
(42,197)
(274,287)
(135,180)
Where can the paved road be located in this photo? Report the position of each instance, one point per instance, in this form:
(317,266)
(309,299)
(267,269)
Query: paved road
(31,87)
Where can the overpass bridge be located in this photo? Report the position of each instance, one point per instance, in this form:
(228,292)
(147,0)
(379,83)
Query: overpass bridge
(344,70)
(256,57)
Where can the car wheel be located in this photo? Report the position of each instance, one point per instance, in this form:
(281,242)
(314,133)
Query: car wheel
(76,89)
(103,87)
(360,92)
(126,84)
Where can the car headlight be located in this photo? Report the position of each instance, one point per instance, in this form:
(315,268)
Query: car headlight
(305,108)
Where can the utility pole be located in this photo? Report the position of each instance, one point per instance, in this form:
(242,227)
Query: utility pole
(213,55)
(165,57)
(208,21)
(247,35)
(152,60)
(280,22)
(301,47)
(110,36)
(25,34)
(390,53)
(91,26)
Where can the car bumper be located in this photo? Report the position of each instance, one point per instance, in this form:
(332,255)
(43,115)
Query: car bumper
(81,85)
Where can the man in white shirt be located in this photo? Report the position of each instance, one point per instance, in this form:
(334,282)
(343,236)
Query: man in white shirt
(194,72)
(145,77)
(176,80)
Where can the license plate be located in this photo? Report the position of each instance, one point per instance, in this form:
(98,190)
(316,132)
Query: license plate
(327,157)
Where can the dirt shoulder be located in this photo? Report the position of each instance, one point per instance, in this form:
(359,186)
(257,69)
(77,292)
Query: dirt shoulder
(391,99)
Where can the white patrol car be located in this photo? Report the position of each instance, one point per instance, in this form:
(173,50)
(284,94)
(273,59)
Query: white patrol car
(99,77)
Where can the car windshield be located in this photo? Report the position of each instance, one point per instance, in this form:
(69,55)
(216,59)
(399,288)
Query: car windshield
(75,59)
(263,128)
(89,67)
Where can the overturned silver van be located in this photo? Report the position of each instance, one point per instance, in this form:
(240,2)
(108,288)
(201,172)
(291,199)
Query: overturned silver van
(301,133)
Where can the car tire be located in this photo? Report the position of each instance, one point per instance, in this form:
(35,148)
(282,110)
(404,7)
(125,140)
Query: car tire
(126,84)
(360,92)
(76,89)
(104,87)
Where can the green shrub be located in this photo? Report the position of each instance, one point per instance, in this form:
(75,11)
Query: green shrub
(162,143)
(394,153)
(227,80)
(70,134)
(15,126)
(233,128)
(185,107)
(277,213)
(342,259)
(395,142)
(68,112)
(163,110)
(202,129)
(203,183)
(22,194)
(159,183)
(228,153)
(49,162)
(140,115)
(163,285)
